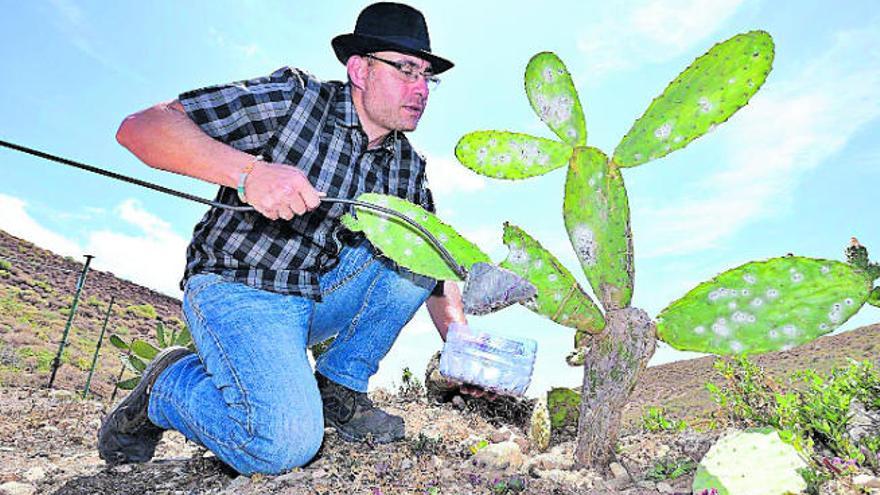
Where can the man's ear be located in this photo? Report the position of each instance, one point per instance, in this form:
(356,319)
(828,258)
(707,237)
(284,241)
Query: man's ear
(357,68)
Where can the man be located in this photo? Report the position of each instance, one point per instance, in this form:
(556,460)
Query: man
(260,287)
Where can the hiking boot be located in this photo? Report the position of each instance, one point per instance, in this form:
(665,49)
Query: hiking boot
(354,416)
(126,434)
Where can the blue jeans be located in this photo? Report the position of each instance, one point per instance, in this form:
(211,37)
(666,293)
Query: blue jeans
(250,395)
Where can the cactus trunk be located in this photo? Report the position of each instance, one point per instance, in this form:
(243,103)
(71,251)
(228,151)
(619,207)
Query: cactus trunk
(616,359)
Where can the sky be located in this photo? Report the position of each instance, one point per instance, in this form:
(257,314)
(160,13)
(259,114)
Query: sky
(795,171)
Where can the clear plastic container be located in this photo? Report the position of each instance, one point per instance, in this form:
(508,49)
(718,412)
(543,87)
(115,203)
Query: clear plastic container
(496,363)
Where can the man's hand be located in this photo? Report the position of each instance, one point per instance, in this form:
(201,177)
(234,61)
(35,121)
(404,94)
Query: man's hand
(280,191)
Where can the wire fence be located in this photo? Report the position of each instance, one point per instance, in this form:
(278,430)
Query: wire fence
(7,262)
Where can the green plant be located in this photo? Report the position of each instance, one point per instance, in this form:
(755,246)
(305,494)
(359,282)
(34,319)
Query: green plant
(5,265)
(424,445)
(668,468)
(410,385)
(814,478)
(143,311)
(815,413)
(478,445)
(654,419)
(137,353)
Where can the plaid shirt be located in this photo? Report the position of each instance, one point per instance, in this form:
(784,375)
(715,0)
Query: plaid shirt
(291,117)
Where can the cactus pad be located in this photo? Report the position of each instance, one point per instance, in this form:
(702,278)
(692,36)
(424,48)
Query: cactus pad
(407,246)
(597,220)
(510,155)
(706,94)
(764,306)
(560,297)
(751,462)
(874,297)
(563,404)
(554,98)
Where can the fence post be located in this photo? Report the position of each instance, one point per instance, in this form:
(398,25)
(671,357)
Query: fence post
(98,348)
(79,285)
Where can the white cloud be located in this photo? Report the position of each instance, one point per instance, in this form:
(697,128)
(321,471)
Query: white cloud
(789,128)
(16,221)
(446,176)
(654,31)
(155,257)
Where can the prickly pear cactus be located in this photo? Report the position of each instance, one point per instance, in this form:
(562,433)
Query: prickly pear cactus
(559,297)
(764,306)
(751,462)
(596,215)
(552,95)
(408,247)
(706,94)
(510,155)
(539,426)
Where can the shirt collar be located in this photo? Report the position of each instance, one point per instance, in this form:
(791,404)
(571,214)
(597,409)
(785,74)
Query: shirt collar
(346,114)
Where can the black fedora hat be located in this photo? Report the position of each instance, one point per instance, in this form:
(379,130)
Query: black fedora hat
(389,26)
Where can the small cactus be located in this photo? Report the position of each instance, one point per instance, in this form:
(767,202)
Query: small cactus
(539,426)
(751,462)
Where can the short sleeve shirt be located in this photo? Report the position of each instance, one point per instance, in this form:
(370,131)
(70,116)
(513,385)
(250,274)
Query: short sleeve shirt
(292,118)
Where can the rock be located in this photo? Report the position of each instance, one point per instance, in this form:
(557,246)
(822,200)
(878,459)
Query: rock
(236,486)
(539,426)
(618,470)
(862,423)
(17,488)
(122,468)
(501,435)
(866,481)
(319,473)
(664,487)
(522,442)
(458,402)
(292,477)
(35,474)
(406,464)
(550,460)
(576,479)
(501,456)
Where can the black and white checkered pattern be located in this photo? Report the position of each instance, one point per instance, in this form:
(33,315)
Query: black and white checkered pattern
(291,117)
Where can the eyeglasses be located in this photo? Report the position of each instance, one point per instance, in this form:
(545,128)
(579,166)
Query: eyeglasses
(409,71)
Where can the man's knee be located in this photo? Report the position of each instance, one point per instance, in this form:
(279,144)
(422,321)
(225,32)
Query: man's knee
(283,442)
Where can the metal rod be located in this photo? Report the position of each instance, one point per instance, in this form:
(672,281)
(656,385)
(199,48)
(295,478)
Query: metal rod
(459,270)
(56,363)
(98,347)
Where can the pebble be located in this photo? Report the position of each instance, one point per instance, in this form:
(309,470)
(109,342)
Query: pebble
(406,464)
(319,473)
(502,456)
(664,487)
(16,488)
(866,480)
(501,435)
(458,402)
(35,474)
(292,477)
(618,471)
(551,460)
